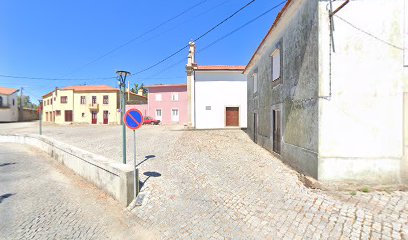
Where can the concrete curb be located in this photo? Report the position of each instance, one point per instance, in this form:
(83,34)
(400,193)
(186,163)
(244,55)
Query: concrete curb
(116,179)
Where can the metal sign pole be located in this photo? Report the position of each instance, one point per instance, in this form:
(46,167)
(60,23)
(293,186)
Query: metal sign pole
(136,170)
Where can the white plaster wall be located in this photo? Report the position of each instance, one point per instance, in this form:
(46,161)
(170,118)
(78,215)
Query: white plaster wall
(219,90)
(9,114)
(361,92)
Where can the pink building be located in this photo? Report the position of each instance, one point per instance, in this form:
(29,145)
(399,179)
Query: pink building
(168,103)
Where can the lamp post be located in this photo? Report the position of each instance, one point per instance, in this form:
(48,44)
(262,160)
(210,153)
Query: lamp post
(40,105)
(122,86)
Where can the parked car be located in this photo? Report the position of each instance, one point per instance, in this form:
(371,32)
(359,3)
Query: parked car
(150,120)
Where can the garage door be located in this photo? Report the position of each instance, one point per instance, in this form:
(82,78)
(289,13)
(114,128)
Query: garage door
(232,116)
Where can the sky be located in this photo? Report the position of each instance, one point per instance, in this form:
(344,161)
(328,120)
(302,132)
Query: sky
(88,41)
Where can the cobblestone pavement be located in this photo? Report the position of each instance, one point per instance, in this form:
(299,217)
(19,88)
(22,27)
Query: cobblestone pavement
(41,200)
(219,184)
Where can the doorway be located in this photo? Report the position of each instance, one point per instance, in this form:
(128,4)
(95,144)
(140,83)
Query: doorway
(105,117)
(255,127)
(232,116)
(68,115)
(94,117)
(276,130)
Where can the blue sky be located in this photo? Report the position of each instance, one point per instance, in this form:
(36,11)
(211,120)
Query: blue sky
(57,39)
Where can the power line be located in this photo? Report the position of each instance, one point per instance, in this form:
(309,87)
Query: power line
(198,38)
(137,37)
(369,34)
(240,27)
(223,37)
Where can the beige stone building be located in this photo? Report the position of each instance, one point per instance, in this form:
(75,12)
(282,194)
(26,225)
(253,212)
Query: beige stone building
(82,104)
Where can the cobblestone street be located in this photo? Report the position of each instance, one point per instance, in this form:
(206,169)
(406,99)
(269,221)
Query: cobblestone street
(41,200)
(219,184)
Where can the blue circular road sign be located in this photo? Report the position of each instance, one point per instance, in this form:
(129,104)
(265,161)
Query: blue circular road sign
(133,119)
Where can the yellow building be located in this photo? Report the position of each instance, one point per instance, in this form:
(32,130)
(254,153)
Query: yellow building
(82,104)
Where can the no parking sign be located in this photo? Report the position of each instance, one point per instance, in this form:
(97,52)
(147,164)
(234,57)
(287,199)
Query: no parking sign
(133,119)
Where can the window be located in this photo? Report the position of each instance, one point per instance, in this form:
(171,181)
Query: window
(83,100)
(158,97)
(105,99)
(14,102)
(83,114)
(174,115)
(174,97)
(255,76)
(51,101)
(63,99)
(207,107)
(158,112)
(93,100)
(58,113)
(276,62)
(1,101)
(48,102)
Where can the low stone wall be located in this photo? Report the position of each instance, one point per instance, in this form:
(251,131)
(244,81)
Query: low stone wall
(114,178)
(29,115)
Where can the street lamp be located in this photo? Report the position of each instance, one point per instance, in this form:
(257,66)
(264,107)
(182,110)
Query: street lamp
(122,86)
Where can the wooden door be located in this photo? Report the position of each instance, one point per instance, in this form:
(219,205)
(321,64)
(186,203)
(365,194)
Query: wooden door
(68,116)
(276,118)
(94,117)
(232,116)
(105,117)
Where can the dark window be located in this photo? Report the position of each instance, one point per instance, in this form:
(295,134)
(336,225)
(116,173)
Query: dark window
(14,102)
(106,99)
(51,101)
(1,101)
(83,100)
(207,107)
(58,113)
(63,99)
(93,100)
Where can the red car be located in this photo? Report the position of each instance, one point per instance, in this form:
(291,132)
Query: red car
(150,120)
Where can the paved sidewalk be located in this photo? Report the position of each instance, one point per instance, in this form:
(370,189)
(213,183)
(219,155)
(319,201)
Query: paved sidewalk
(39,199)
(220,185)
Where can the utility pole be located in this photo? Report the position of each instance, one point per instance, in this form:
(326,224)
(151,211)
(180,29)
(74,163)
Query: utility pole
(122,86)
(40,105)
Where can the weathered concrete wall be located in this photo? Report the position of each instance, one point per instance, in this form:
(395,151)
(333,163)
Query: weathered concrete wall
(9,109)
(361,89)
(114,178)
(29,115)
(296,96)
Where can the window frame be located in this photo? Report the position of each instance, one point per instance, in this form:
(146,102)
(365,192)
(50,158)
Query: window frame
(65,101)
(173,97)
(158,97)
(161,112)
(82,100)
(273,64)
(105,99)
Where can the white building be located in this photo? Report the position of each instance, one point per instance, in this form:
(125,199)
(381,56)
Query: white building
(217,95)
(8,105)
